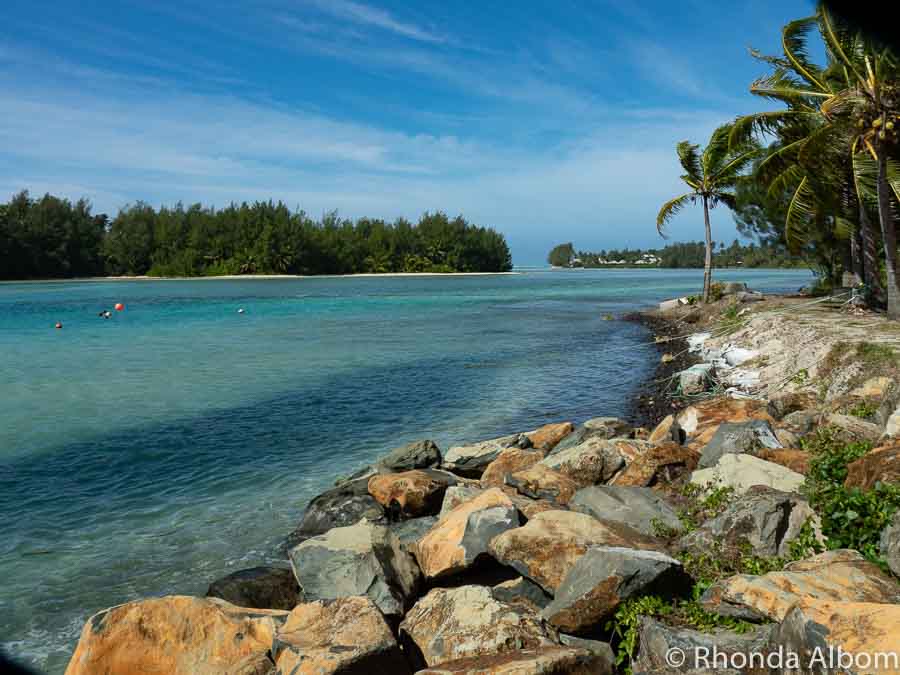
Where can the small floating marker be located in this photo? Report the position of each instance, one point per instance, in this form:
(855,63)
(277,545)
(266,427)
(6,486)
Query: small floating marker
(59,324)
(119,307)
(241,310)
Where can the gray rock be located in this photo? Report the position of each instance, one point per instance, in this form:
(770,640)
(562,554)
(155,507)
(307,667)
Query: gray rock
(472,460)
(638,507)
(363,559)
(595,460)
(742,472)
(606,576)
(890,544)
(889,410)
(415,455)
(260,587)
(800,421)
(852,429)
(456,495)
(766,519)
(656,640)
(600,649)
(696,379)
(343,505)
(737,438)
(521,588)
(732,287)
(781,405)
(598,427)
(752,296)
(410,531)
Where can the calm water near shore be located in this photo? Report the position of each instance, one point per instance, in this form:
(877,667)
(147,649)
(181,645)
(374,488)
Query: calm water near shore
(179,440)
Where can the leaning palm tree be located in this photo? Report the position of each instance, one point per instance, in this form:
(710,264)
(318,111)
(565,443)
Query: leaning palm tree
(848,111)
(712,175)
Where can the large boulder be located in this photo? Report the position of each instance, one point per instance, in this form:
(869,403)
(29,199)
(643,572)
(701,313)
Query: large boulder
(458,494)
(636,507)
(700,421)
(178,635)
(542,482)
(408,532)
(507,462)
(597,427)
(416,455)
(262,587)
(344,505)
(661,646)
(521,589)
(881,465)
(472,460)
(836,637)
(363,559)
(606,576)
(736,438)
(840,575)
(540,661)
(659,464)
(546,437)
(461,536)
(456,623)
(851,429)
(742,472)
(547,547)
(410,494)
(764,519)
(328,637)
(596,460)
(890,544)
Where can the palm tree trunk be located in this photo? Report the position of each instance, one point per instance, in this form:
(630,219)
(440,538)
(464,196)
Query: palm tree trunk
(888,236)
(871,275)
(707,265)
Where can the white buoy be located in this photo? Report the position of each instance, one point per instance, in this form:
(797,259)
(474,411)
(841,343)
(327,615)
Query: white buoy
(241,310)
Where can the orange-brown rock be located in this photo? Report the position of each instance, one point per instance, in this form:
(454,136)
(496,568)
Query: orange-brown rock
(411,494)
(795,460)
(880,465)
(700,421)
(543,661)
(662,432)
(461,536)
(867,634)
(547,436)
(658,465)
(547,547)
(466,622)
(840,575)
(347,635)
(595,460)
(176,634)
(509,461)
(542,482)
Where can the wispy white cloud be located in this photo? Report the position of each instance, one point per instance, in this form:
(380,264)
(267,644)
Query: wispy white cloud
(376,17)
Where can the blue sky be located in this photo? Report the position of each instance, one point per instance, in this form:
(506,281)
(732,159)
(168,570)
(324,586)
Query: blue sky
(551,121)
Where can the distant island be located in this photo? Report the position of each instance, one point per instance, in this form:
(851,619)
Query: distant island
(682,255)
(51,237)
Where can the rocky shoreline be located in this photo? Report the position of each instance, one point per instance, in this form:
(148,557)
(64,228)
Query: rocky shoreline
(723,516)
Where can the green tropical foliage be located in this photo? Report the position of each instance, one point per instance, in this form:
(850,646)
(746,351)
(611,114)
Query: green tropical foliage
(712,175)
(50,237)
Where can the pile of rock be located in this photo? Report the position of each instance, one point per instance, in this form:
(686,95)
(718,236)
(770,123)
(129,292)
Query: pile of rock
(511,555)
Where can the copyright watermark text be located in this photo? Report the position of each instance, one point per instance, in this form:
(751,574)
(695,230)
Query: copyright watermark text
(828,658)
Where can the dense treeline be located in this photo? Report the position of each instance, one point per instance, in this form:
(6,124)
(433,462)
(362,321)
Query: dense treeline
(51,237)
(679,255)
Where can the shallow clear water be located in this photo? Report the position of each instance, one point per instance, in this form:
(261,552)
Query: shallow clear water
(180,440)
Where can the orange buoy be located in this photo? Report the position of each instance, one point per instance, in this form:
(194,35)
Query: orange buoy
(119,307)
(59,324)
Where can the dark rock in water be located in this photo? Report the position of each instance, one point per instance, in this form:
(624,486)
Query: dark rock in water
(363,559)
(415,455)
(764,519)
(638,507)
(411,494)
(737,438)
(658,643)
(519,589)
(890,544)
(606,576)
(341,506)
(259,587)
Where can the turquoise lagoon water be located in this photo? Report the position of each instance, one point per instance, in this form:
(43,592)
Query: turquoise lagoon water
(180,440)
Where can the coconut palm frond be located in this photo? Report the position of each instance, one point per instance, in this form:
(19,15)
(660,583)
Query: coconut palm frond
(670,209)
(689,156)
(793,43)
(800,214)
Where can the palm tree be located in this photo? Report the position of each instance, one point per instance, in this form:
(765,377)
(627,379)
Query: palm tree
(837,128)
(712,175)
